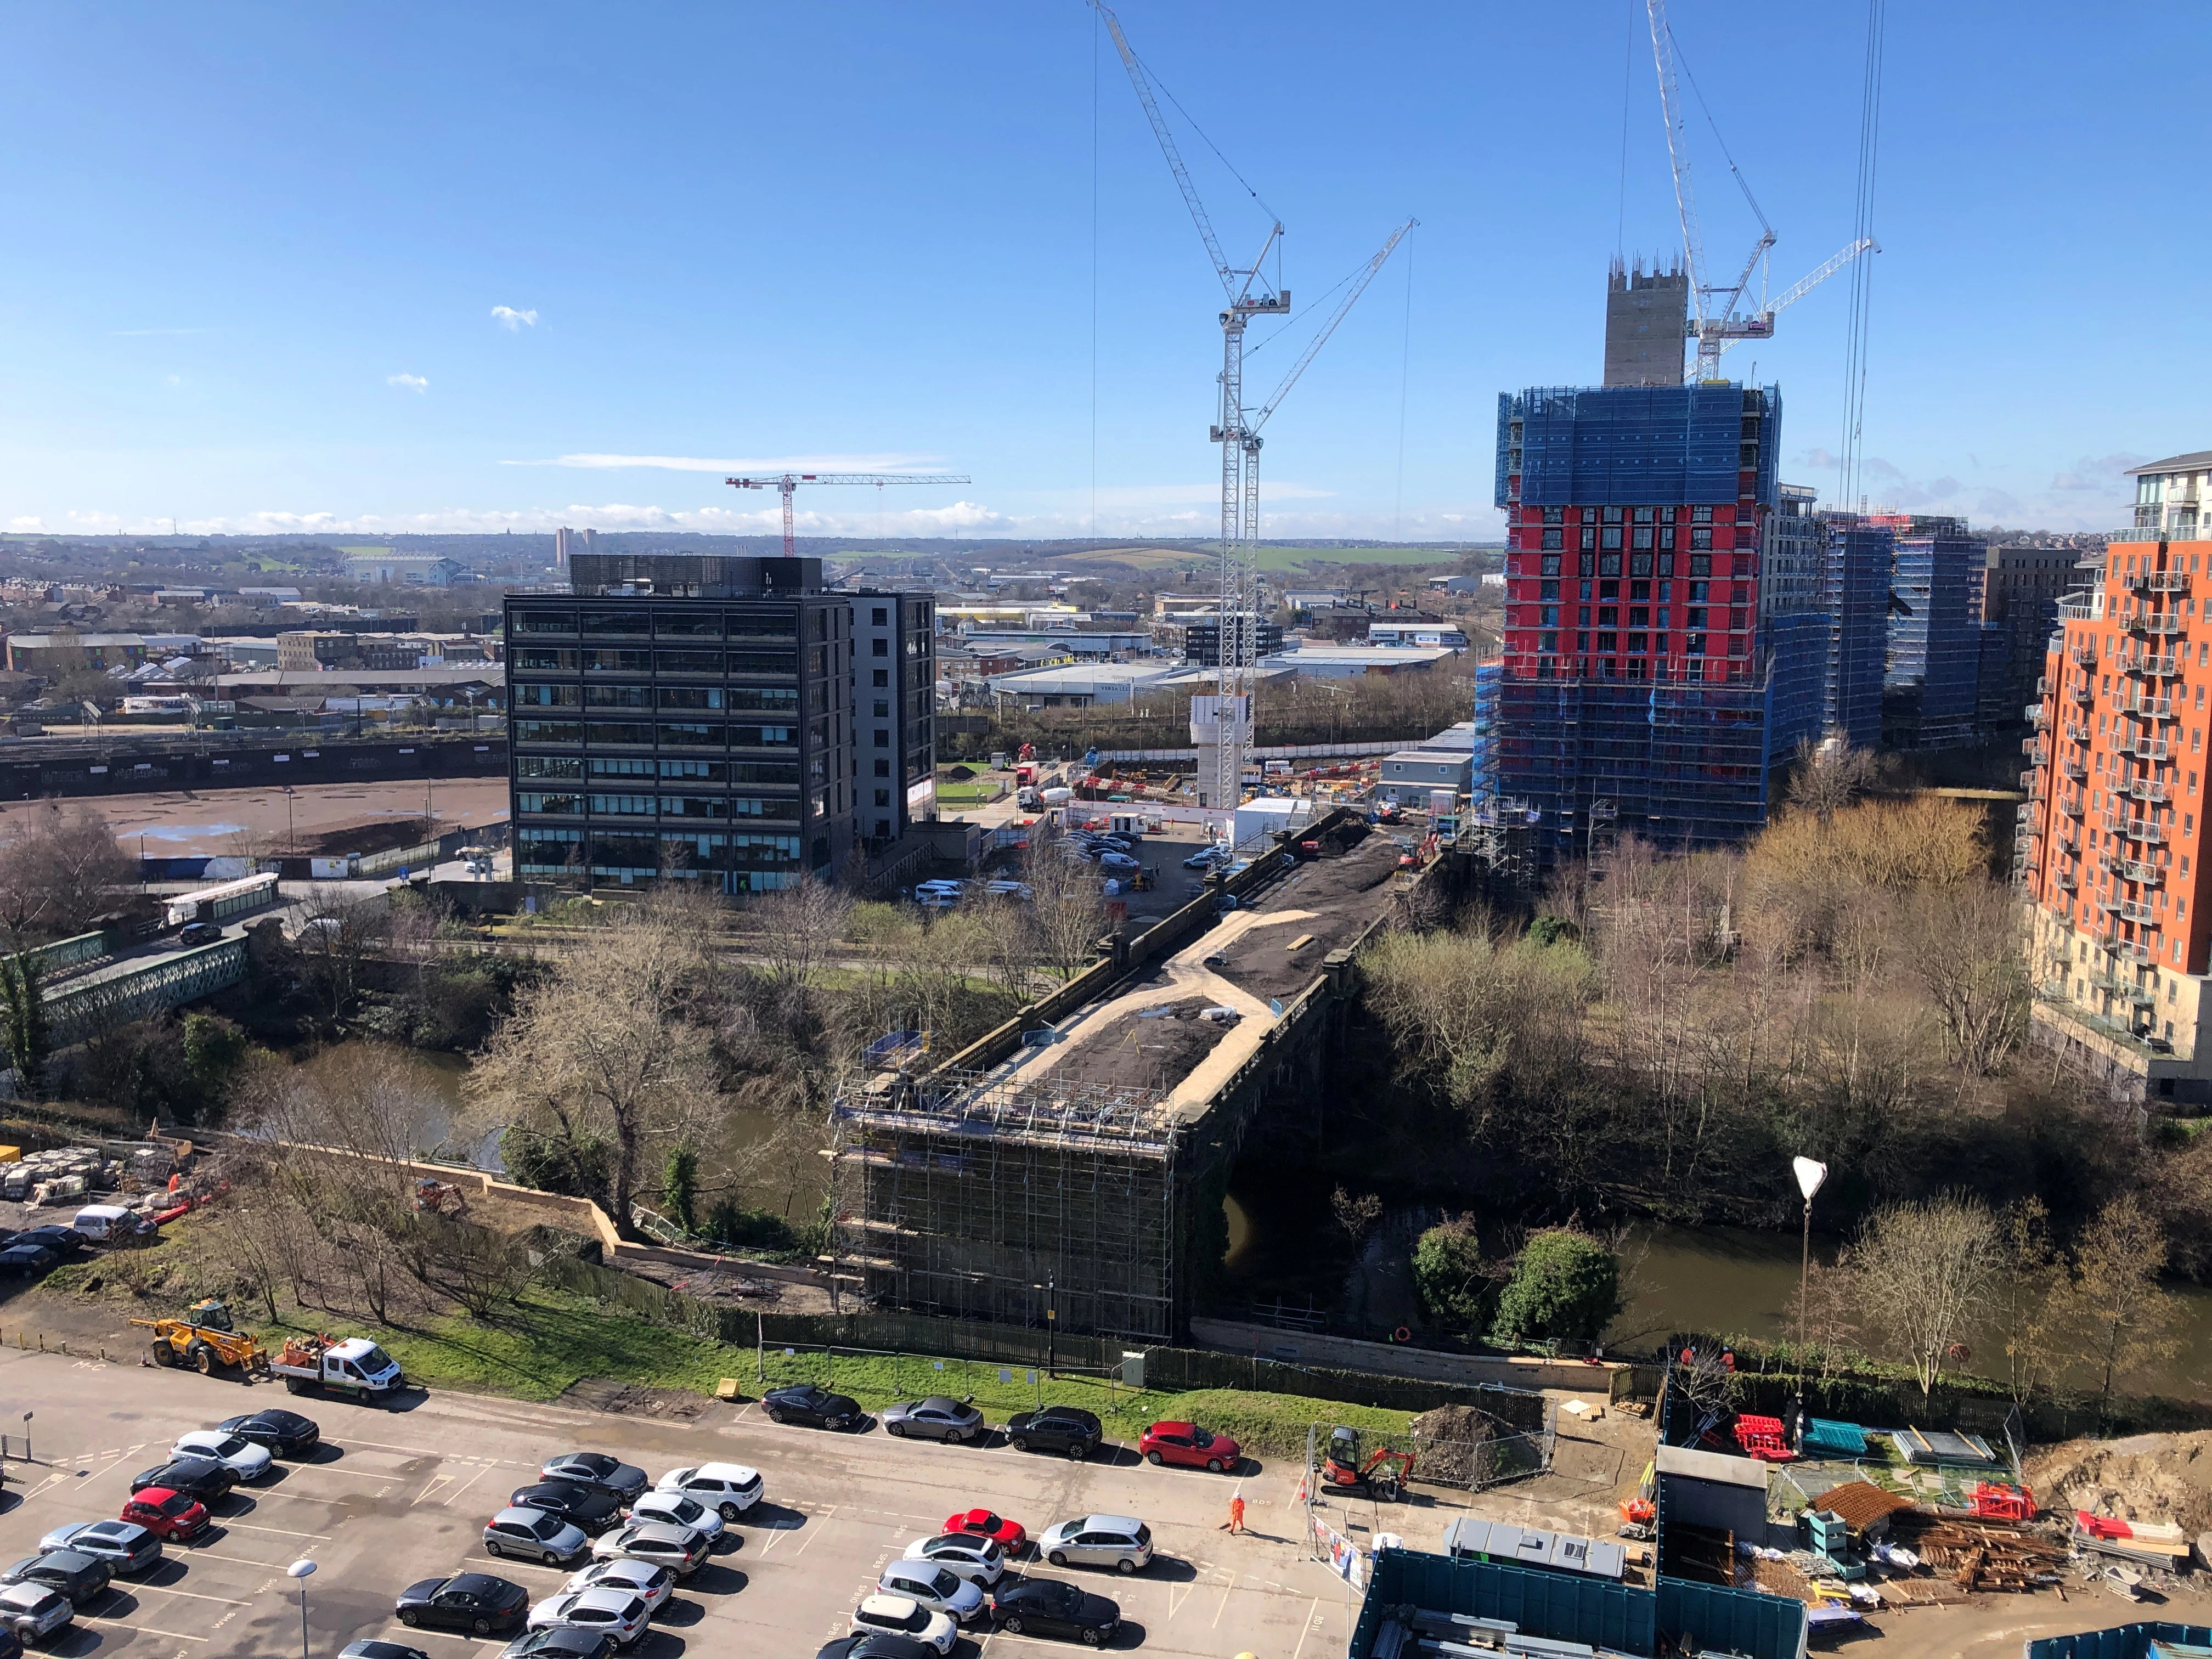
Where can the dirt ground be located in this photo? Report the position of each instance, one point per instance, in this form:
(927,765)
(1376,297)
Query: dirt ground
(2144,1477)
(230,822)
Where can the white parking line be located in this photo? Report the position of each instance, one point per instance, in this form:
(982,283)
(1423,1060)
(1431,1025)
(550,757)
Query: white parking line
(237,1561)
(164,1590)
(457,1491)
(282,1532)
(148,1630)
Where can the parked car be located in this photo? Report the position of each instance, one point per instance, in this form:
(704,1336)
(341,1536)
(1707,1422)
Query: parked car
(286,1434)
(26,1259)
(624,1480)
(1188,1446)
(1066,1428)
(620,1614)
(175,1517)
(75,1574)
(937,1418)
(370,1648)
(938,1588)
(978,1561)
(1046,1606)
(673,1509)
(730,1488)
(241,1457)
(534,1535)
(654,1584)
(1008,1535)
(63,1240)
(589,1507)
(34,1612)
(812,1408)
(901,1615)
(877,1644)
(473,1601)
(202,1477)
(1205,859)
(561,1642)
(198,933)
(1118,1541)
(126,1545)
(679,1549)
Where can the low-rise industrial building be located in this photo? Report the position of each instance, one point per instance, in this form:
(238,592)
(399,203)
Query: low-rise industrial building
(1081,685)
(1409,776)
(1338,662)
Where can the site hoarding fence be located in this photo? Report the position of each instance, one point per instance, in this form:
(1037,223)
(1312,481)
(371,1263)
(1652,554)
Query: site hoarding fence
(2118,1642)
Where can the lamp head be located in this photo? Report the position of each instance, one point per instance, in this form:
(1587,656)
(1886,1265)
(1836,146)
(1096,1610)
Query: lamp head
(1809,1175)
(301,1569)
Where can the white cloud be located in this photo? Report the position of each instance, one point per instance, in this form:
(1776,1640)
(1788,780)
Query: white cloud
(704,464)
(414,383)
(512,320)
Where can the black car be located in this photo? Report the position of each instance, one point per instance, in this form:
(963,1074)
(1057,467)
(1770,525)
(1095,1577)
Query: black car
(198,933)
(1066,1428)
(77,1575)
(373,1648)
(876,1644)
(591,1507)
(26,1259)
(811,1407)
(473,1601)
(1046,1607)
(61,1241)
(583,1469)
(286,1434)
(202,1477)
(561,1642)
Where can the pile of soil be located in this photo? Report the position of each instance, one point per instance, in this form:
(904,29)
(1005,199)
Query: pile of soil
(604,1394)
(377,836)
(1453,1445)
(1132,1051)
(2145,1477)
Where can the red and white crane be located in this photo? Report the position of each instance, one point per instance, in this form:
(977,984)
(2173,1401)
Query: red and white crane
(786,484)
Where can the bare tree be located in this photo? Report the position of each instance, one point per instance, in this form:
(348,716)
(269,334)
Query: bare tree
(2120,1318)
(59,871)
(1829,776)
(1964,940)
(334,944)
(1065,908)
(1924,1269)
(799,928)
(2027,1281)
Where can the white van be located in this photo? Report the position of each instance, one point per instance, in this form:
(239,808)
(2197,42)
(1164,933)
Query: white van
(109,1224)
(937,895)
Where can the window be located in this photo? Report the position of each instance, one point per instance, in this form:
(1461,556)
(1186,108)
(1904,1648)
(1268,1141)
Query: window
(1612,516)
(1610,536)
(1554,538)
(1639,564)
(1644,515)
(1551,565)
(883,798)
(882,678)
(879,647)
(1701,515)
(1555,515)
(879,618)
(1608,564)
(1701,538)
(1666,535)
(1643,537)
(1701,564)
(882,769)
(1590,536)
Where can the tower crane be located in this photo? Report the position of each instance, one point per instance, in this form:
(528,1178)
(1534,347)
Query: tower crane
(1249,294)
(787,484)
(1715,322)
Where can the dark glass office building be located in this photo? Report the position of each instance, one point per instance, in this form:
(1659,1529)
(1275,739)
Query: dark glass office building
(682,717)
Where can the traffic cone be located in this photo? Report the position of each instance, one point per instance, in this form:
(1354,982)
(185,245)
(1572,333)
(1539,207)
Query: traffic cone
(1301,1497)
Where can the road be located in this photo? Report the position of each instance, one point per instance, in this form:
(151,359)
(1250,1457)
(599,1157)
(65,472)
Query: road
(399,1495)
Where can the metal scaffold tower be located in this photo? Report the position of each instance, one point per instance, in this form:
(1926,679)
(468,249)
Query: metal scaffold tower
(1223,724)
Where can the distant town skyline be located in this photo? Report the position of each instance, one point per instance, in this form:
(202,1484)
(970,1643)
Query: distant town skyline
(380,283)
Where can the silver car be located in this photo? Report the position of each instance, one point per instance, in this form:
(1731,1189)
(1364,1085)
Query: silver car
(534,1535)
(679,1549)
(979,1560)
(34,1610)
(123,1545)
(675,1509)
(1118,1541)
(939,1588)
(937,1417)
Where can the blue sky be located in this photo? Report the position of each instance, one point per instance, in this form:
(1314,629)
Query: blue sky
(258,254)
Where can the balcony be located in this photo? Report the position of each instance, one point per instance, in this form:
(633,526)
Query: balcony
(2077,732)
(2071,848)
(2152,667)
(2042,687)
(2071,805)
(2038,752)
(2142,830)
(2083,692)
(2142,954)
(2065,879)
(2074,769)
(2148,623)
(2158,581)
(2146,875)
(2136,911)
(2146,789)
(2149,749)
(2148,708)
(2126,989)
(2082,656)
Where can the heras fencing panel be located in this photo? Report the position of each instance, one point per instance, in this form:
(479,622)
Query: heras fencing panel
(1557,1605)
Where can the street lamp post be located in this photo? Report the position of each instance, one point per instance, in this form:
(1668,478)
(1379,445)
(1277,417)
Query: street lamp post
(1810,1174)
(302,1571)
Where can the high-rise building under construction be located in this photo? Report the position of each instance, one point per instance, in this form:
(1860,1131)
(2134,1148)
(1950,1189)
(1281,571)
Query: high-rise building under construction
(1652,683)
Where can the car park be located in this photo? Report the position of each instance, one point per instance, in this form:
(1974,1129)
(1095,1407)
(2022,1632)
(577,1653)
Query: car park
(1008,1535)
(673,1509)
(534,1535)
(1047,1606)
(654,1584)
(956,1422)
(901,1615)
(617,1613)
(935,1587)
(561,1642)
(177,1517)
(472,1602)
(585,1468)
(286,1434)
(126,1545)
(1205,859)
(35,1611)
(679,1549)
(373,1648)
(730,1488)
(1188,1446)
(1120,1541)
(202,1477)
(589,1508)
(978,1561)
(812,1408)
(241,1457)
(75,1574)
(1068,1430)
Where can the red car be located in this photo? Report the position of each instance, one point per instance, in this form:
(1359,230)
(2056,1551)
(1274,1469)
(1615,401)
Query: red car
(175,1516)
(1010,1536)
(1190,1447)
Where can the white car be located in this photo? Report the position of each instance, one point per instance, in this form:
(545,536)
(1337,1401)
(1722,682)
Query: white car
(901,1615)
(679,1549)
(651,1584)
(233,1451)
(979,1560)
(674,1508)
(729,1489)
(620,1614)
(936,1587)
